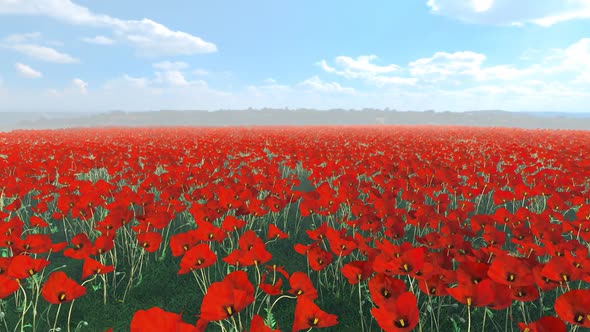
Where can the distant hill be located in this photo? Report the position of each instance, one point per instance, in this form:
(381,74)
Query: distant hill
(269,117)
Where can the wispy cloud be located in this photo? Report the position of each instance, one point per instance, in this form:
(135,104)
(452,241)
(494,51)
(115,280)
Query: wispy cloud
(510,12)
(80,85)
(42,53)
(150,38)
(316,84)
(98,40)
(27,71)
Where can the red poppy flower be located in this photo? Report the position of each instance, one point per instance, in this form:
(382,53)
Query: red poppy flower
(7,286)
(574,307)
(400,315)
(301,286)
(198,257)
(408,262)
(339,244)
(561,269)
(525,293)
(103,244)
(502,297)
(227,297)
(257,325)
(182,242)
(275,233)
(158,320)
(231,224)
(512,271)
(251,251)
(319,233)
(318,258)
(385,289)
(206,231)
(544,324)
(255,255)
(59,288)
(271,288)
(308,315)
(35,243)
(356,271)
(475,295)
(472,272)
(4,264)
(35,221)
(435,285)
(149,241)
(81,247)
(24,266)
(92,267)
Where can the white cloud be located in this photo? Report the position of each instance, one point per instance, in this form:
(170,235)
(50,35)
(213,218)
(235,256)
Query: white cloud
(316,84)
(171,77)
(381,81)
(555,79)
(363,68)
(480,6)
(136,81)
(22,38)
(511,12)
(42,53)
(148,37)
(98,40)
(27,71)
(167,65)
(80,85)
(362,64)
(360,67)
(167,76)
(442,65)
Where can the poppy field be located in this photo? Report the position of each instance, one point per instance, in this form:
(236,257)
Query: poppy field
(360,228)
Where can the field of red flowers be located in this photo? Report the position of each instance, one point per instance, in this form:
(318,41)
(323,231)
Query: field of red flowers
(393,228)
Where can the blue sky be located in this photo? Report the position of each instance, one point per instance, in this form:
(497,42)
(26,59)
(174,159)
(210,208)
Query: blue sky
(527,55)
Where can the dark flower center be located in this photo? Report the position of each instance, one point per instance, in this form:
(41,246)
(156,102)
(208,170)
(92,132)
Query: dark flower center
(229,310)
(313,321)
(401,323)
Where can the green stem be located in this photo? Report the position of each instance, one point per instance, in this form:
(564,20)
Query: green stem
(56,317)
(70,314)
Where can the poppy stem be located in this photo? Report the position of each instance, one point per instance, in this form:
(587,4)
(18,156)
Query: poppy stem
(104,289)
(483,323)
(36,283)
(233,321)
(361,309)
(56,317)
(70,314)
(468,318)
(22,322)
(523,312)
(240,321)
